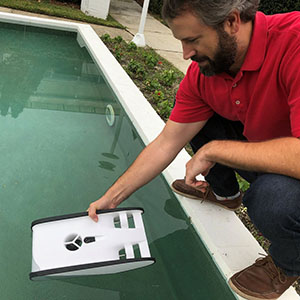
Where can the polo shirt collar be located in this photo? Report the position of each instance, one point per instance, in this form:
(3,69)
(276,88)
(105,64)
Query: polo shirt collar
(258,44)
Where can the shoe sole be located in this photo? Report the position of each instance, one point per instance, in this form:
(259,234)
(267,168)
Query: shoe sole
(249,297)
(201,199)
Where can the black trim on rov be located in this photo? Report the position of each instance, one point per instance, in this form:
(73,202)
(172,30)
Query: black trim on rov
(81,214)
(35,275)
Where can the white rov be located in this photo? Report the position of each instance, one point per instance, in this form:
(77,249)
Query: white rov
(74,245)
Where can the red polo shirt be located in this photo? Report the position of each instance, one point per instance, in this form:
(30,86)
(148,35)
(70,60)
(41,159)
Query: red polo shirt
(264,95)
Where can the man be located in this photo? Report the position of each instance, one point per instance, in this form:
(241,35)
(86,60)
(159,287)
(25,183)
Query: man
(239,105)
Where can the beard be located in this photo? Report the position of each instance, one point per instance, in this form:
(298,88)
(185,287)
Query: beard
(224,57)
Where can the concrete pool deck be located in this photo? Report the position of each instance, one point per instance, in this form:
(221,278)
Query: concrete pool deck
(229,243)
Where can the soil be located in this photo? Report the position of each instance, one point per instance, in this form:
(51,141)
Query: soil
(68,4)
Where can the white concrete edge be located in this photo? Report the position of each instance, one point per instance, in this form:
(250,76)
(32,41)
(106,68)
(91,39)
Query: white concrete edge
(39,22)
(230,244)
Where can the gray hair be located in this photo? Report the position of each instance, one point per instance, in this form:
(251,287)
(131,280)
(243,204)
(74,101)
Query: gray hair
(212,12)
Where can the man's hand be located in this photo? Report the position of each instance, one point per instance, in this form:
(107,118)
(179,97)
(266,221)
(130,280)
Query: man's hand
(198,164)
(278,156)
(102,203)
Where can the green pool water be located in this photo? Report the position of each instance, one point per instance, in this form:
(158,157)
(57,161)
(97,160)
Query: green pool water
(58,154)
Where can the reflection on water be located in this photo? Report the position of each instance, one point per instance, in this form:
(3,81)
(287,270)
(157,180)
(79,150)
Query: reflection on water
(18,79)
(107,164)
(51,72)
(110,155)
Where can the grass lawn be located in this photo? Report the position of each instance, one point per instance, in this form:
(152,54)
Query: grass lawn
(58,9)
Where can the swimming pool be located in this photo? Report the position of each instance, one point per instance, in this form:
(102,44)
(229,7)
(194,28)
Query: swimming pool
(55,161)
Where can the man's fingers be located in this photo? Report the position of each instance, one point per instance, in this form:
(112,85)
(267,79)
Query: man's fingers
(92,212)
(102,203)
(197,184)
(201,185)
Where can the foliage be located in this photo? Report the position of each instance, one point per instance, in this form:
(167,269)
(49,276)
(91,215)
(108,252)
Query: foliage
(269,7)
(278,6)
(244,185)
(136,68)
(155,6)
(157,79)
(243,215)
(70,1)
(47,7)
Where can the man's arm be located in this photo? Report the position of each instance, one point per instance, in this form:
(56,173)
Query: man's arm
(279,156)
(151,162)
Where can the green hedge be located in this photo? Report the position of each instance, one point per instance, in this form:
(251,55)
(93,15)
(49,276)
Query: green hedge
(270,7)
(71,1)
(155,6)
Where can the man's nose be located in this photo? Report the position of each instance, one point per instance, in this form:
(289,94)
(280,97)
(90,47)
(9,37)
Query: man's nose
(188,51)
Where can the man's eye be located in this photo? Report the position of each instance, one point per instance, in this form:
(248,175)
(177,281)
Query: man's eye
(192,40)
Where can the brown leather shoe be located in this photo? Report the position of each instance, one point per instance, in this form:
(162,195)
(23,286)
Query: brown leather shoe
(262,280)
(179,187)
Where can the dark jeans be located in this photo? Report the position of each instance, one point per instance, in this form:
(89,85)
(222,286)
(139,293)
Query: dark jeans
(273,201)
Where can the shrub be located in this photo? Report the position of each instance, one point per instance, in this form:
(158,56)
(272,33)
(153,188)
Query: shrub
(278,6)
(157,79)
(136,68)
(269,7)
(155,6)
(71,1)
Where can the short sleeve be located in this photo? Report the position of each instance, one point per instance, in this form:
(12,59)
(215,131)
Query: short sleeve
(189,106)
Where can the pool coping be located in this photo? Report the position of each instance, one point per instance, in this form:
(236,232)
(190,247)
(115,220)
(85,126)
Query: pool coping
(230,244)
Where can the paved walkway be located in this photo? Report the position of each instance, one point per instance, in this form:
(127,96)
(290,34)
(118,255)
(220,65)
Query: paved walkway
(128,13)
(157,36)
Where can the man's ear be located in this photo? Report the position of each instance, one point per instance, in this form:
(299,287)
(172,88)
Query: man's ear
(232,22)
